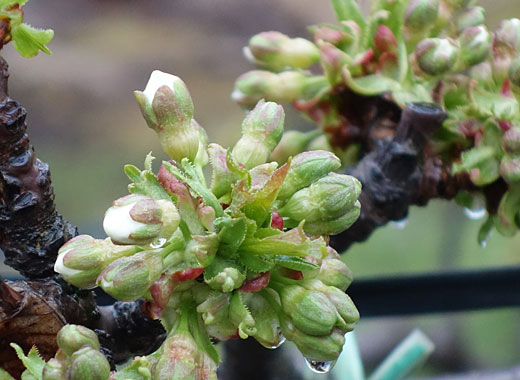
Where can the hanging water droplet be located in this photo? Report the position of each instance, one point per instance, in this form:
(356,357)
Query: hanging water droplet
(158,243)
(475,214)
(399,224)
(281,340)
(320,367)
(483,243)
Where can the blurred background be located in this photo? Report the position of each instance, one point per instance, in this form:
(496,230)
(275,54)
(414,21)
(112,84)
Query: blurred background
(84,121)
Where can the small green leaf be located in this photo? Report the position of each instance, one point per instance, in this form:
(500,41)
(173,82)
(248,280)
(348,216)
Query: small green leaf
(138,370)
(28,41)
(231,234)
(256,263)
(33,362)
(145,182)
(191,180)
(295,263)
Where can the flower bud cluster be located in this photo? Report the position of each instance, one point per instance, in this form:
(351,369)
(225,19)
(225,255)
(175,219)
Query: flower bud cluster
(244,256)
(436,51)
(78,356)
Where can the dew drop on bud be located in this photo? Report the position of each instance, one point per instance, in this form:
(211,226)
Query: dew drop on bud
(281,340)
(475,214)
(399,224)
(320,367)
(158,243)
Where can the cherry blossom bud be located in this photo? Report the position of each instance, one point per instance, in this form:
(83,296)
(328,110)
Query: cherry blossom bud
(276,51)
(436,56)
(138,219)
(475,44)
(261,131)
(73,337)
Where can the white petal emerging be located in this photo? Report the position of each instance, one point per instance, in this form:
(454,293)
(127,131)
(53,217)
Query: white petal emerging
(119,225)
(158,79)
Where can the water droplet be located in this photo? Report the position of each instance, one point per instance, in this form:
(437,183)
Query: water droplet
(475,214)
(281,340)
(399,224)
(158,243)
(320,367)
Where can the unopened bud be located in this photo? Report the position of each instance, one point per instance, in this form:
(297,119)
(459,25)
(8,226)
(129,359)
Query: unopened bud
(128,278)
(138,219)
(167,107)
(334,36)
(456,4)
(311,312)
(82,258)
(511,141)
(73,337)
(510,169)
(475,44)
(508,34)
(384,39)
(305,169)
(224,275)
(336,225)
(276,51)
(334,272)
(317,348)
(469,17)
(421,14)
(54,370)
(255,85)
(327,198)
(436,56)
(89,363)
(261,131)
(179,358)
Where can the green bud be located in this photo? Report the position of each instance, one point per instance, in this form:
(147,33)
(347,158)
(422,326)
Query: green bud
(227,280)
(514,71)
(421,14)
(469,17)
(318,348)
(311,312)
(261,131)
(475,45)
(276,51)
(436,56)
(344,306)
(54,370)
(73,337)
(128,278)
(179,358)
(82,258)
(510,169)
(334,226)
(255,85)
(334,272)
(138,219)
(327,198)
(483,73)
(89,363)
(215,308)
(508,34)
(168,109)
(203,247)
(511,141)
(306,168)
(332,35)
